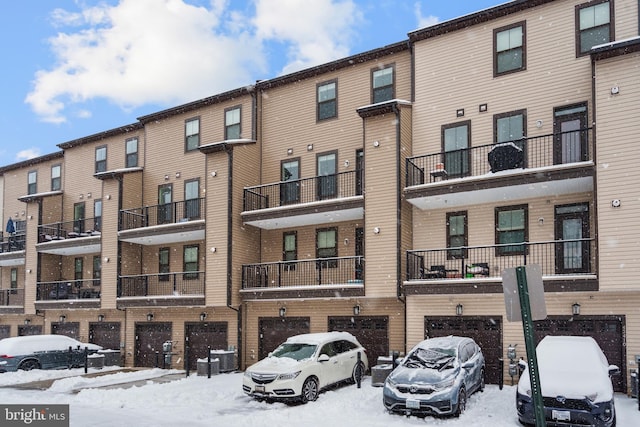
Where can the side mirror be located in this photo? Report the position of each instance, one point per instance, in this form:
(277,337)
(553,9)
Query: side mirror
(323,358)
(614,370)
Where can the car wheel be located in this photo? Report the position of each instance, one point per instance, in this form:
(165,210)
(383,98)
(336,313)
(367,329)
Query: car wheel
(309,390)
(358,370)
(462,402)
(482,383)
(28,365)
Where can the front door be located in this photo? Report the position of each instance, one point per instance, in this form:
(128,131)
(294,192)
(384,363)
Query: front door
(78,217)
(165,204)
(327,187)
(570,130)
(572,234)
(290,177)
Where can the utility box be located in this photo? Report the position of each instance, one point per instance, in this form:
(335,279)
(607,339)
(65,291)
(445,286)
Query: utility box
(227,359)
(379,374)
(633,375)
(202,367)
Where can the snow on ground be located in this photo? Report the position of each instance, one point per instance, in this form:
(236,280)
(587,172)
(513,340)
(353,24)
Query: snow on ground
(199,401)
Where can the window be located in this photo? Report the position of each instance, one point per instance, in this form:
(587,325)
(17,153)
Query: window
(327,185)
(290,249)
(14,278)
(97,270)
(191,199)
(32,182)
(382,84)
(78,266)
(290,177)
(101,159)
(326,98)
(97,215)
(456,139)
(131,152)
(511,227)
(78,217)
(594,25)
(326,247)
(570,142)
(509,52)
(165,204)
(56,179)
(191,134)
(456,234)
(190,260)
(509,126)
(232,123)
(163,264)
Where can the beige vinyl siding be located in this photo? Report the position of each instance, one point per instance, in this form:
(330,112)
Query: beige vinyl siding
(109,245)
(289,117)
(618,158)
(464,78)
(131,190)
(406,214)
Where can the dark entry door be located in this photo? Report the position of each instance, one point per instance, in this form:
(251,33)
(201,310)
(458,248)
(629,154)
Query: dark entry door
(105,334)
(572,225)
(200,335)
(372,332)
(275,330)
(608,331)
(485,330)
(570,130)
(149,340)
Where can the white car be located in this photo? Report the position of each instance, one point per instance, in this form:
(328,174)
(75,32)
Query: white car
(575,379)
(304,365)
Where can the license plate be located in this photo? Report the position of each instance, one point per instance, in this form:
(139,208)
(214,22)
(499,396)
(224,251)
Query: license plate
(259,389)
(561,415)
(413,404)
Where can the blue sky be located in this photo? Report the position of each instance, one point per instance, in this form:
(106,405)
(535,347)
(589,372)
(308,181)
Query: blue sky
(73,68)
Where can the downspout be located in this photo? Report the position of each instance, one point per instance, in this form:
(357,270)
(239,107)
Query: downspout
(396,111)
(595,164)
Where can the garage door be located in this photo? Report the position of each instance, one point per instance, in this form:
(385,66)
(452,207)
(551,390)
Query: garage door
(199,336)
(70,329)
(149,340)
(608,331)
(5,331)
(485,330)
(275,330)
(24,330)
(372,332)
(105,334)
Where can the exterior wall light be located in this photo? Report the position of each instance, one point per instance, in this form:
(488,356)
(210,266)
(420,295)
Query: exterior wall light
(459,309)
(356,310)
(203,316)
(100,317)
(149,317)
(575,309)
(282,311)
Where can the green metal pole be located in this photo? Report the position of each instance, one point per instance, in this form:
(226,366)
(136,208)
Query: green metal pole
(529,340)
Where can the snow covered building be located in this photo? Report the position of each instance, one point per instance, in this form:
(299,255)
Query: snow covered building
(382,194)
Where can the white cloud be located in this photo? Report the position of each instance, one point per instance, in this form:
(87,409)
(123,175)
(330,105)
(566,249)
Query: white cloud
(27,154)
(167,52)
(424,21)
(315,32)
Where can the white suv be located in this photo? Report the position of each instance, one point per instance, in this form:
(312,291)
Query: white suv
(304,365)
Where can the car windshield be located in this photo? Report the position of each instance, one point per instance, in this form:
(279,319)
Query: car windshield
(432,358)
(296,351)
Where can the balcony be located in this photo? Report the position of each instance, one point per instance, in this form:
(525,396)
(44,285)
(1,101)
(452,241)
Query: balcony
(11,298)
(70,238)
(163,224)
(184,283)
(566,265)
(307,201)
(320,276)
(67,290)
(12,251)
(553,164)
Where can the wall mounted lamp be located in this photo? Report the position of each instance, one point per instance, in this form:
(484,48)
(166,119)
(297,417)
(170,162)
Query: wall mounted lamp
(356,310)
(460,112)
(376,230)
(177,174)
(376,144)
(100,317)
(459,310)
(282,311)
(310,147)
(166,177)
(203,316)
(575,309)
(62,318)
(290,151)
(149,317)
(27,321)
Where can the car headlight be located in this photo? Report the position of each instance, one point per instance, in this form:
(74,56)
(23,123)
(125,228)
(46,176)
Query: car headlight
(592,397)
(289,376)
(390,382)
(444,384)
(247,374)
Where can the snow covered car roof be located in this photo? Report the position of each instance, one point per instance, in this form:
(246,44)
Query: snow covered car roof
(321,337)
(15,346)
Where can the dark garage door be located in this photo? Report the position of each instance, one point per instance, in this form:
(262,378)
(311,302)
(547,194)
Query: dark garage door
(485,330)
(105,334)
(70,329)
(149,340)
(199,335)
(608,331)
(5,331)
(24,330)
(372,332)
(275,330)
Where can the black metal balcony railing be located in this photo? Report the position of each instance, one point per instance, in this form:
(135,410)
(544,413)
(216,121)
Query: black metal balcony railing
(12,297)
(13,244)
(536,152)
(68,290)
(305,190)
(168,213)
(69,229)
(166,284)
(559,257)
(314,272)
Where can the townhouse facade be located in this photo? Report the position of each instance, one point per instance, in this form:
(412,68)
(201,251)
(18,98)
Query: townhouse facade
(383,194)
